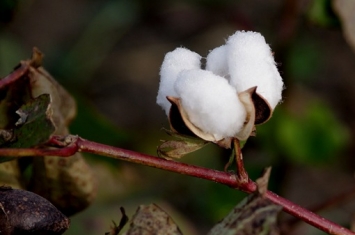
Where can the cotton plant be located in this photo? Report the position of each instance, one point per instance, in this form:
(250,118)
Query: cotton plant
(238,89)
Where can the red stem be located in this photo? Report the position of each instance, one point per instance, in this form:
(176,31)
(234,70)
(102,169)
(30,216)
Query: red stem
(79,144)
(18,73)
(161,163)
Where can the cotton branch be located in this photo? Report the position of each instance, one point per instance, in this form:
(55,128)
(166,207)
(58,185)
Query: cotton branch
(68,145)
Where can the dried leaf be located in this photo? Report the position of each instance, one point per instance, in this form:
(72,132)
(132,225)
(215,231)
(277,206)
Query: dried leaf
(152,220)
(115,230)
(255,215)
(345,10)
(35,125)
(68,182)
(33,128)
(179,148)
(58,179)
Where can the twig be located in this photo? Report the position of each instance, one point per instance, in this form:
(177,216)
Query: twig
(334,201)
(82,145)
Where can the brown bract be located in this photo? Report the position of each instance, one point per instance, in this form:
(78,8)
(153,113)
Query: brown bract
(257,108)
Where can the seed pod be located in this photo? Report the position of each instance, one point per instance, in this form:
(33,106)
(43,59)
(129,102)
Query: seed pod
(23,212)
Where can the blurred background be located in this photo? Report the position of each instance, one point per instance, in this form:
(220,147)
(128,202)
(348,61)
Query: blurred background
(108,54)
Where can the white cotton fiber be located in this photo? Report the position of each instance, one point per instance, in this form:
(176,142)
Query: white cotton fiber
(210,102)
(174,62)
(216,61)
(251,63)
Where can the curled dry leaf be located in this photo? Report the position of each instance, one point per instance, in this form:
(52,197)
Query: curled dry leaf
(23,212)
(68,182)
(254,215)
(345,10)
(116,229)
(152,220)
(180,147)
(257,108)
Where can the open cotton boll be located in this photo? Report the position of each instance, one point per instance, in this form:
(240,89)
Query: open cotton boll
(251,63)
(210,103)
(216,61)
(174,62)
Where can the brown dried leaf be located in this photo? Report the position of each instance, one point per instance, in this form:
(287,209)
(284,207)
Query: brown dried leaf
(345,10)
(254,215)
(68,183)
(59,179)
(179,148)
(116,229)
(152,220)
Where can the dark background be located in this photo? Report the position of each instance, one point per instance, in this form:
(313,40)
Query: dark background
(108,55)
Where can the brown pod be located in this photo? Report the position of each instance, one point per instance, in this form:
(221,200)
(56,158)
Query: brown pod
(24,212)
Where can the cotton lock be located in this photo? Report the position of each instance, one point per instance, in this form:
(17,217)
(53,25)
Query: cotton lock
(231,95)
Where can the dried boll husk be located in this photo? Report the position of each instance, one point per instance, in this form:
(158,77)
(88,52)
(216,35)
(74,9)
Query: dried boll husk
(257,108)
(263,110)
(24,212)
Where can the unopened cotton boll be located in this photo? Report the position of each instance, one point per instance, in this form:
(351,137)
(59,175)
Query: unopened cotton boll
(174,62)
(210,102)
(216,61)
(251,63)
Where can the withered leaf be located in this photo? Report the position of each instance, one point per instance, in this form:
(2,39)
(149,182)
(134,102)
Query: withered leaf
(255,215)
(179,148)
(35,125)
(345,11)
(116,229)
(67,182)
(152,220)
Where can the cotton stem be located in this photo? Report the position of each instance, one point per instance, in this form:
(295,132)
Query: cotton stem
(70,145)
(241,172)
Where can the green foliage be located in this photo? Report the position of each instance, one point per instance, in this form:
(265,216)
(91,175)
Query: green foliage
(314,136)
(321,13)
(90,124)
(304,61)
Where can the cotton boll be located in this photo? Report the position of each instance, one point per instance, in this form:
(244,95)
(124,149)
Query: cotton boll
(216,61)
(174,62)
(251,63)
(210,102)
